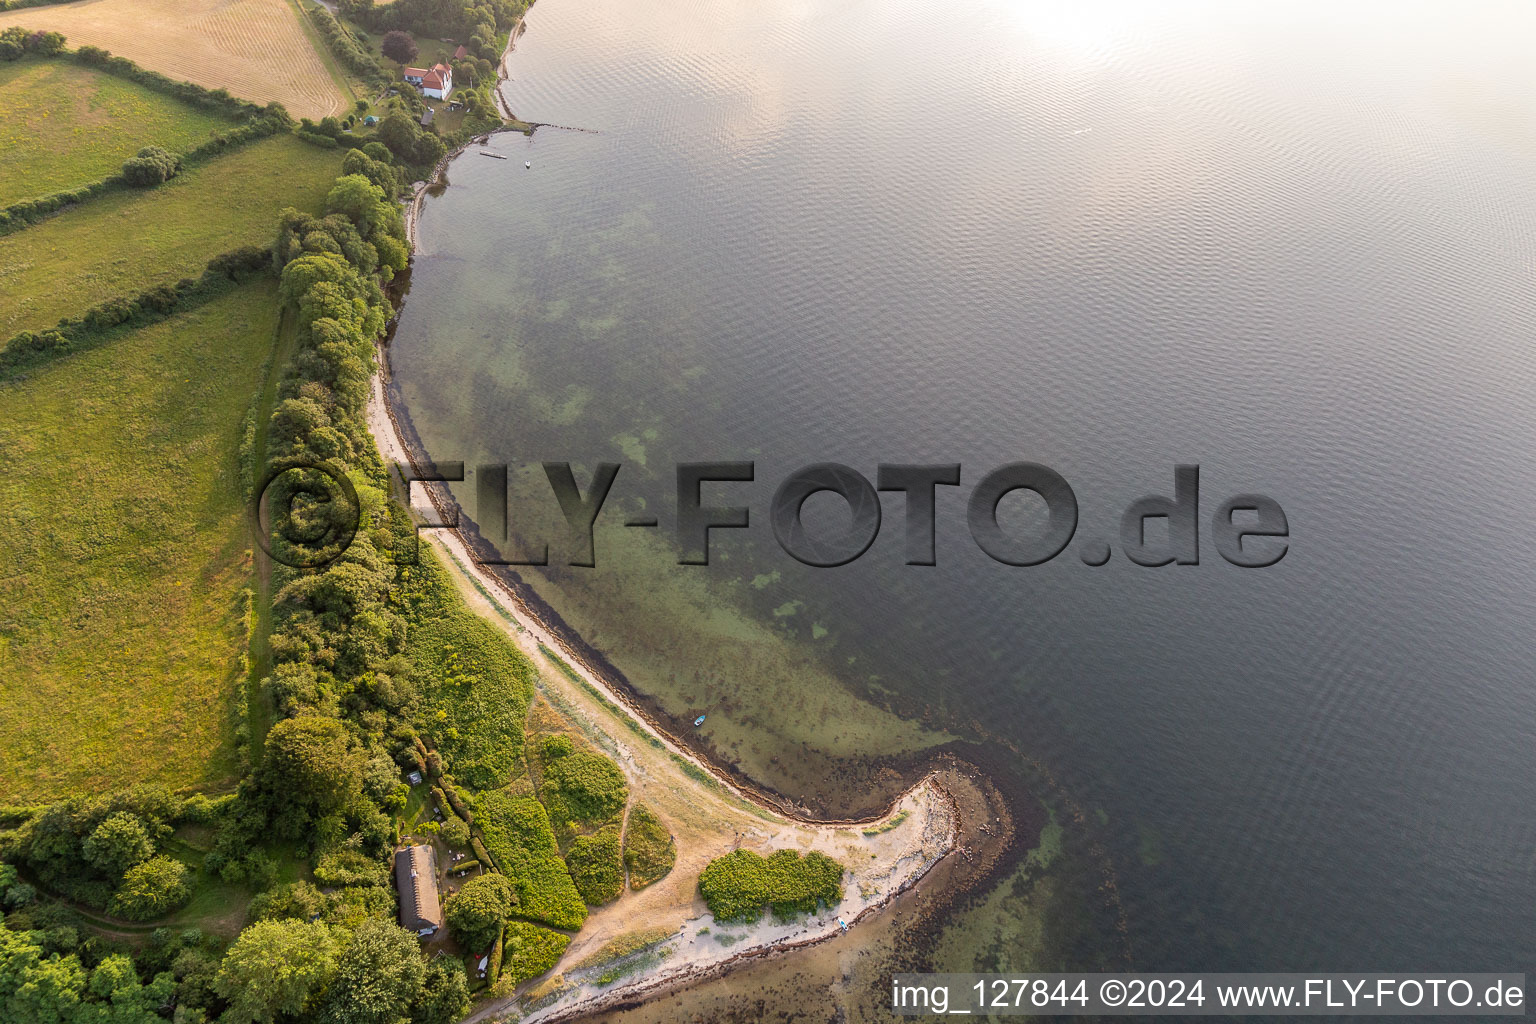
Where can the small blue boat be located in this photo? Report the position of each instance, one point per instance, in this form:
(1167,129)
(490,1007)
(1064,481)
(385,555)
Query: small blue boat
(698,721)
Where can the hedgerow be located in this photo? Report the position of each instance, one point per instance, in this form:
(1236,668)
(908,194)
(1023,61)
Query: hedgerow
(737,886)
(649,849)
(522,844)
(263,124)
(254,123)
(218,100)
(597,866)
(345,48)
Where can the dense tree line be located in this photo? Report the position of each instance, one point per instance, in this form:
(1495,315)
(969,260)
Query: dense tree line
(476,23)
(330,774)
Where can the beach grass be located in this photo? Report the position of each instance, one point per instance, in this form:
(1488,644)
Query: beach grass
(125,550)
(125,242)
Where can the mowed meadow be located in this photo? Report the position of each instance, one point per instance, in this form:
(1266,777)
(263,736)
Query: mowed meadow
(125,551)
(63,126)
(124,242)
(259,50)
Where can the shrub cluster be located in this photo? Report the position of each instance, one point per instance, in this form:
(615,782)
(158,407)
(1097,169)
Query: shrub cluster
(151,166)
(476,912)
(411,144)
(474,688)
(16,41)
(597,866)
(649,849)
(152,889)
(529,951)
(737,886)
(582,786)
(105,851)
(522,844)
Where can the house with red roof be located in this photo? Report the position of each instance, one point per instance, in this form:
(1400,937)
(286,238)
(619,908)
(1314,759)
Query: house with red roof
(436,81)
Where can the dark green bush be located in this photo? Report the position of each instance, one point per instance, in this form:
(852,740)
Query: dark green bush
(597,866)
(529,951)
(740,884)
(476,912)
(585,787)
(151,166)
(152,889)
(349,867)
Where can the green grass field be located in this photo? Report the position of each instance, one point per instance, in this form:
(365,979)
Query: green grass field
(125,242)
(124,547)
(63,125)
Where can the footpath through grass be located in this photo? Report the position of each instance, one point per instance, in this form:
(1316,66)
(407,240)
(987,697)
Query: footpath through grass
(124,547)
(63,126)
(125,242)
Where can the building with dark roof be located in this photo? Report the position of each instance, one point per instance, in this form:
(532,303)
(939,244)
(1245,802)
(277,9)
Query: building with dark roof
(416,878)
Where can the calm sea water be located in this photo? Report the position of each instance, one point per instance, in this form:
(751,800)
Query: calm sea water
(1292,244)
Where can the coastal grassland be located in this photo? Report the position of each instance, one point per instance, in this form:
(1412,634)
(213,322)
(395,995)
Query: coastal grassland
(124,547)
(475,687)
(127,241)
(257,49)
(622,946)
(649,849)
(65,126)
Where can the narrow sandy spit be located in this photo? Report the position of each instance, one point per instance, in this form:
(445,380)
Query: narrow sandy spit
(707,812)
